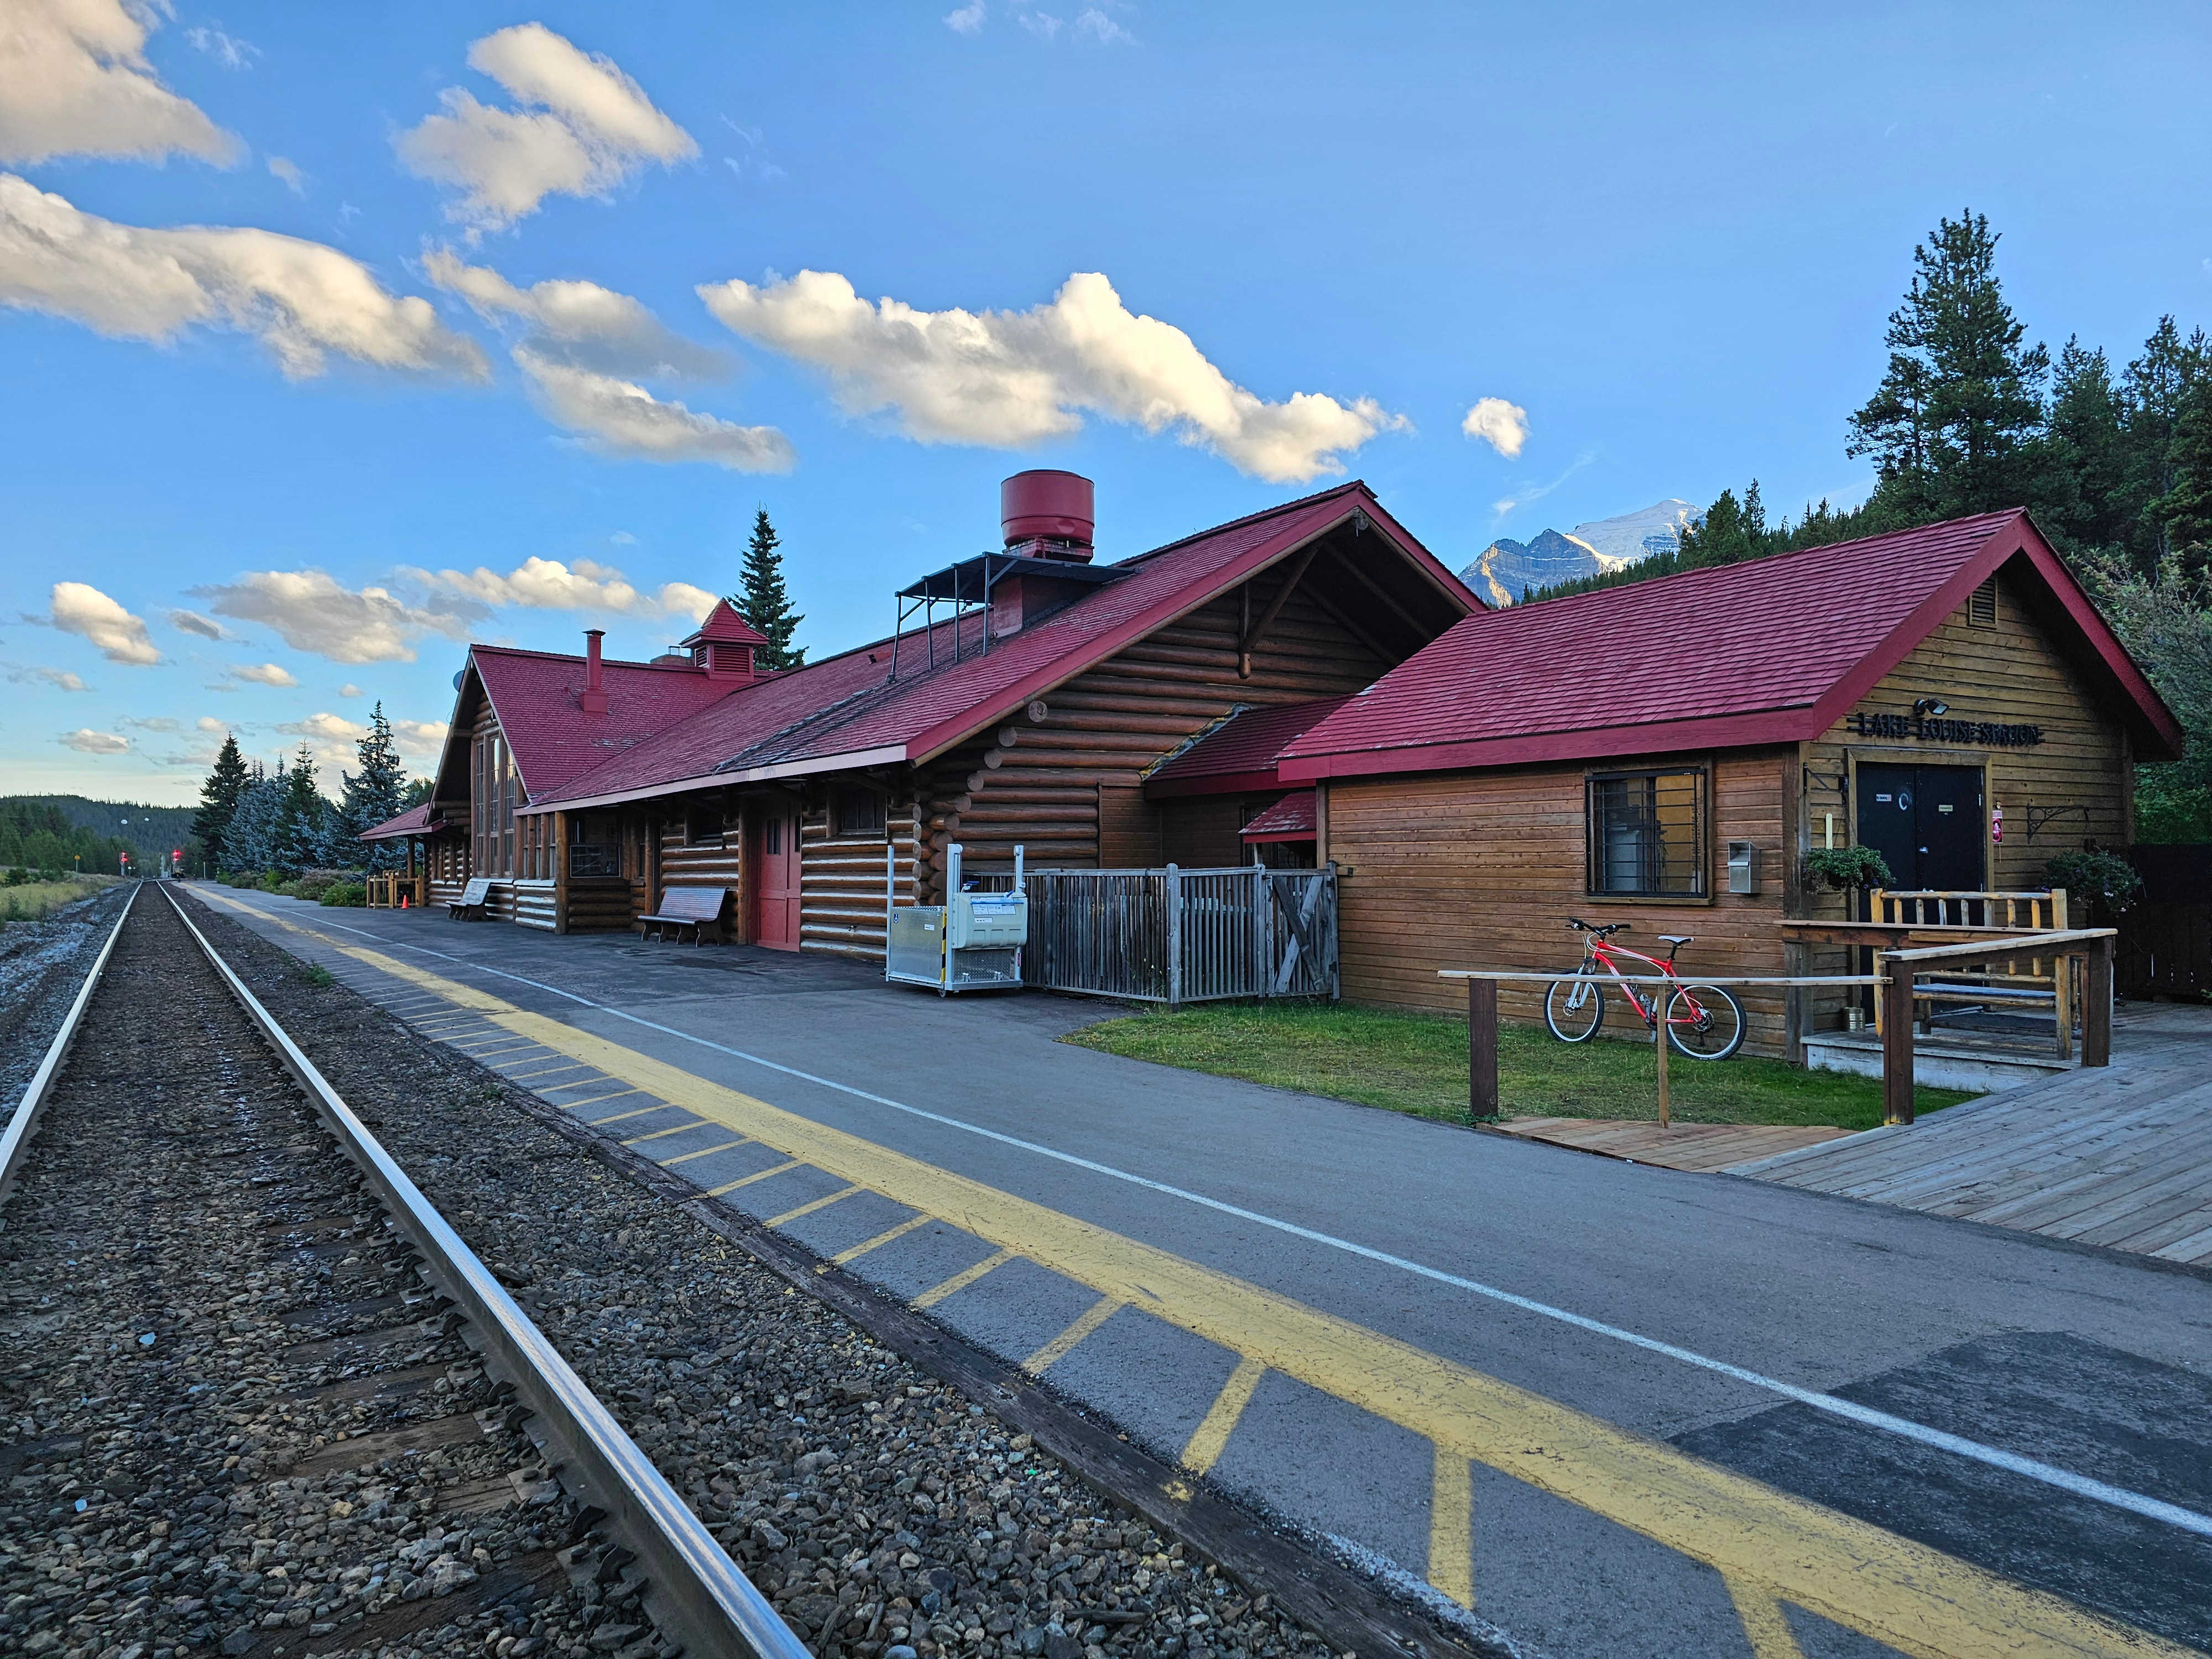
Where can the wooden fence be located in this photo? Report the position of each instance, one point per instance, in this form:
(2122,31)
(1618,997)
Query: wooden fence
(1896,985)
(1174,936)
(2165,941)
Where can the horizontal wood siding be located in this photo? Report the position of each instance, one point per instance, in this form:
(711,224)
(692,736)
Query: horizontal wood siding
(599,904)
(712,861)
(1044,782)
(529,903)
(841,883)
(1482,869)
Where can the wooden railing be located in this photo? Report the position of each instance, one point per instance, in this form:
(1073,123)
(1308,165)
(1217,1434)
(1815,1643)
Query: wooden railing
(386,890)
(1895,985)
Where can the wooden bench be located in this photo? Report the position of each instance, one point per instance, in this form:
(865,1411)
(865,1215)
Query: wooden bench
(2037,987)
(696,907)
(471,902)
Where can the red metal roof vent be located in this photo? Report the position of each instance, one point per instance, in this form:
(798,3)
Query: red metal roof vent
(1048,514)
(594,698)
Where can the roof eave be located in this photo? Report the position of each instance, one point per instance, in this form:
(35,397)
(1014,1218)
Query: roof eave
(851,760)
(1741,731)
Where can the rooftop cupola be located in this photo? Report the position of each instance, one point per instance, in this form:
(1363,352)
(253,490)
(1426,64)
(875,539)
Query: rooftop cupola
(724,645)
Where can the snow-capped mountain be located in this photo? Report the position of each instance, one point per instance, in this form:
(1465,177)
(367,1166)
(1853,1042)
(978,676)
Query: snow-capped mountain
(1506,566)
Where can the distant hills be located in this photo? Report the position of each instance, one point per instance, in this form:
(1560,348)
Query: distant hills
(96,828)
(1507,567)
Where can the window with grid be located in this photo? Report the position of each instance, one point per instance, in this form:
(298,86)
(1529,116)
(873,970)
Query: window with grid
(1647,834)
(857,812)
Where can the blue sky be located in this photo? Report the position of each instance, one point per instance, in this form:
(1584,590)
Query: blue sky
(259,481)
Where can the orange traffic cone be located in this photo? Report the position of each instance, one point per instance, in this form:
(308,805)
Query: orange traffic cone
(402,901)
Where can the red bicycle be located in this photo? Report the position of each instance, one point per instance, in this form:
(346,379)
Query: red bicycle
(1703,1021)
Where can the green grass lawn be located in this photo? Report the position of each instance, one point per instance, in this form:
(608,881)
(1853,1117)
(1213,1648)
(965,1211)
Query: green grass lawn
(34,900)
(1417,1063)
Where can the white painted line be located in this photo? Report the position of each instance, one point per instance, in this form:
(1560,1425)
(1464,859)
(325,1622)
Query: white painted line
(2050,1474)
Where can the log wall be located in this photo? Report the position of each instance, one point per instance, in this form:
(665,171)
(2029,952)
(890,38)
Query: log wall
(712,861)
(841,882)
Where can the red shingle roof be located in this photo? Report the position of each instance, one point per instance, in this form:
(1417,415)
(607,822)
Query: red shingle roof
(553,740)
(1240,753)
(847,709)
(1774,650)
(415,821)
(1291,819)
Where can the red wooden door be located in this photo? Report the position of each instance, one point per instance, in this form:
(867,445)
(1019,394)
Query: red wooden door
(775,851)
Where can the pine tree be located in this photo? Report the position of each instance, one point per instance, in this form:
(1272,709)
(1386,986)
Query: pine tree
(299,837)
(249,842)
(1951,425)
(366,799)
(218,801)
(2159,389)
(1731,533)
(2080,491)
(763,602)
(2184,511)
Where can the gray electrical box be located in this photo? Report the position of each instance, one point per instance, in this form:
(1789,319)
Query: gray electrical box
(1743,866)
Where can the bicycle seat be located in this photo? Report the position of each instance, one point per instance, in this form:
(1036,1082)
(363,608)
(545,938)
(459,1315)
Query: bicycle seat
(1678,938)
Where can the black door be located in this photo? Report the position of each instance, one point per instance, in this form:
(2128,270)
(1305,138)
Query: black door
(1926,823)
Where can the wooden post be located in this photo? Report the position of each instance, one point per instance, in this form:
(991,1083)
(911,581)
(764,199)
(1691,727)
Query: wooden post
(1896,994)
(1481,1049)
(2097,1004)
(1172,888)
(560,871)
(1660,1035)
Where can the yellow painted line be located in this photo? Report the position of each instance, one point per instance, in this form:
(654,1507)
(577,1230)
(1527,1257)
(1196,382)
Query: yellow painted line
(1451,1527)
(1063,1344)
(704,1152)
(1889,1588)
(960,1280)
(637,1141)
(757,1174)
(635,1111)
(1211,1438)
(879,1240)
(809,1209)
(1765,1624)
(593,1100)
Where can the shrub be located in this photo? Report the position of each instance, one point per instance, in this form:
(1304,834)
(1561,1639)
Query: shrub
(1847,866)
(2105,883)
(353,893)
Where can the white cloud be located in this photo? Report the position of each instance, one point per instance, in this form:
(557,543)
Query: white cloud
(191,622)
(151,723)
(227,50)
(301,299)
(621,419)
(578,323)
(349,690)
(1010,379)
(210,723)
(287,170)
(1043,24)
(61,679)
(419,737)
(549,585)
(315,612)
(82,609)
(78,84)
(263,673)
(581,127)
(1096,26)
(623,539)
(967,19)
(1502,425)
(86,741)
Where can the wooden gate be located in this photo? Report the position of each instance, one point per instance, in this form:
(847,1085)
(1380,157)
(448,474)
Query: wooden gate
(1176,935)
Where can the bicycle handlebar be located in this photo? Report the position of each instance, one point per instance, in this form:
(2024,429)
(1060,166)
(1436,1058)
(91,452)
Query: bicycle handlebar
(1580,926)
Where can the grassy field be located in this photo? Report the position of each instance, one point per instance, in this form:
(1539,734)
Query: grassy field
(1417,1063)
(34,900)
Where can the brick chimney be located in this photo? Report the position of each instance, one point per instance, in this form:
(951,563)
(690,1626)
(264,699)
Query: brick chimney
(594,698)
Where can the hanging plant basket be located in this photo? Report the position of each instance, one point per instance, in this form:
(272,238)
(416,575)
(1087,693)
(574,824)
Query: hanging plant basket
(1847,866)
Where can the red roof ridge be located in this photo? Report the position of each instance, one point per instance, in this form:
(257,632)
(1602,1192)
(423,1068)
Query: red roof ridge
(1348,485)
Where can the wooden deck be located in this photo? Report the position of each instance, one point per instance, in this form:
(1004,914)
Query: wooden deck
(1677,1147)
(2117,1156)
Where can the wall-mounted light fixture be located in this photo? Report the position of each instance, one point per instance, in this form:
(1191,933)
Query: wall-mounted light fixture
(1931,705)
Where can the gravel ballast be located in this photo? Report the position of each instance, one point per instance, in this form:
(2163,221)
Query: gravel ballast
(230,1421)
(884,1513)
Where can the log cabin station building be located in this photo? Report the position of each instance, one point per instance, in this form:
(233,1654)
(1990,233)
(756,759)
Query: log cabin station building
(1310,685)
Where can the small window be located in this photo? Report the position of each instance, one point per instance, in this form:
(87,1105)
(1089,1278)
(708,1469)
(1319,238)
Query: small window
(1982,608)
(857,812)
(772,833)
(1647,834)
(702,824)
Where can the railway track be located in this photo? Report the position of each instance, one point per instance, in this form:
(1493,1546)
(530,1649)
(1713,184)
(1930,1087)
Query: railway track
(261,1398)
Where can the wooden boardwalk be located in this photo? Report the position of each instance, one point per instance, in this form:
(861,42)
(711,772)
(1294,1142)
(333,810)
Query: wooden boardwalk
(2118,1156)
(1677,1147)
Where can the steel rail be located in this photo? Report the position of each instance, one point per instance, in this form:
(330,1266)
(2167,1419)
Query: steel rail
(18,1140)
(697,1594)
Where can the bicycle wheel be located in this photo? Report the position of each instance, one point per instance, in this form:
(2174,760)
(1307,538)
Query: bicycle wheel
(1704,1022)
(1575,1008)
